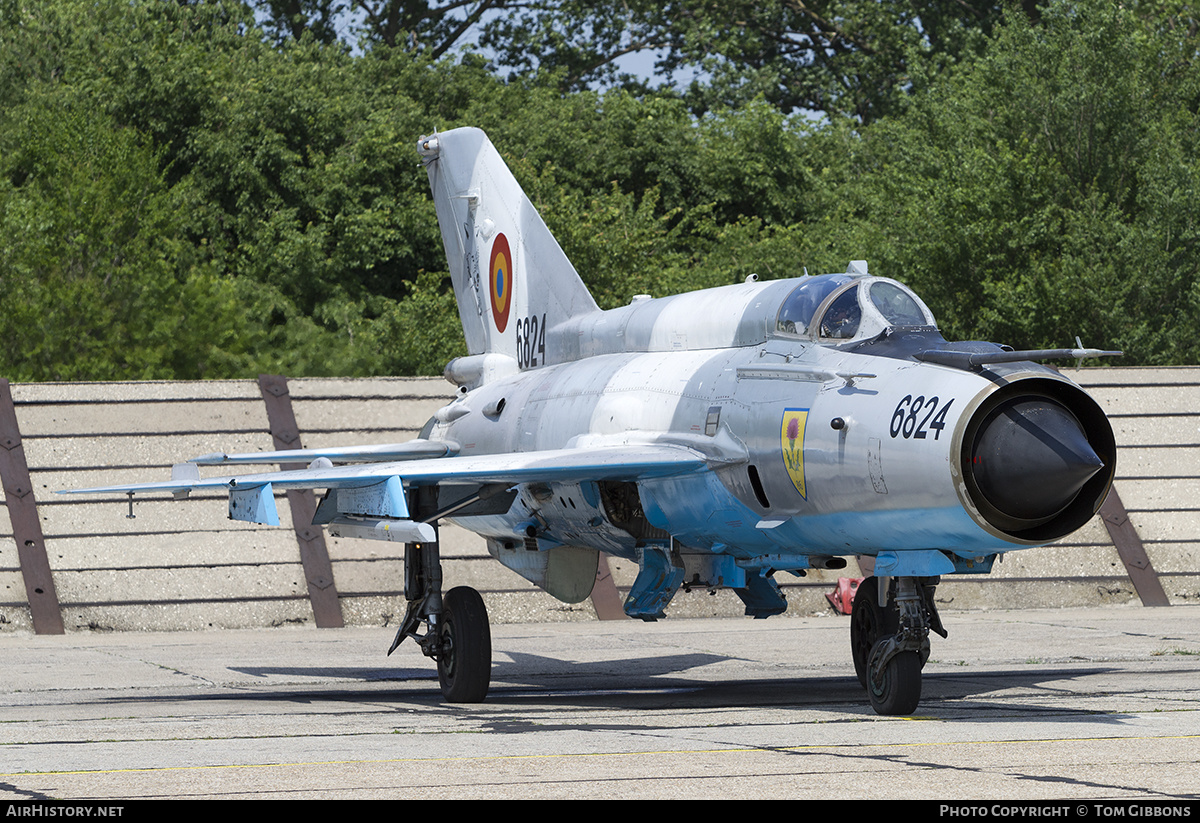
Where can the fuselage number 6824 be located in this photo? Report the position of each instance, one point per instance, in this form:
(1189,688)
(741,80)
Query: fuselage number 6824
(917,417)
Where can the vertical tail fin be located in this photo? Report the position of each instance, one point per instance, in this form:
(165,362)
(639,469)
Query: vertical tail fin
(510,277)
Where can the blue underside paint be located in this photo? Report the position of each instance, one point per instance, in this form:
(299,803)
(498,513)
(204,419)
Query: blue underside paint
(701,513)
(254,505)
(928,563)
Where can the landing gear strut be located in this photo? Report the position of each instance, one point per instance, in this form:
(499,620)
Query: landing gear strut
(889,639)
(457,634)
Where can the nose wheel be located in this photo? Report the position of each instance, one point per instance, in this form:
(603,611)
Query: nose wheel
(896,690)
(890,643)
(868,623)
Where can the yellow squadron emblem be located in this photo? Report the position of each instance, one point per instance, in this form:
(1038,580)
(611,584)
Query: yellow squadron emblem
(791,434)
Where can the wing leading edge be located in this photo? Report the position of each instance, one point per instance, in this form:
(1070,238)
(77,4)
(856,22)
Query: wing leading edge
(390,452)
(376,490)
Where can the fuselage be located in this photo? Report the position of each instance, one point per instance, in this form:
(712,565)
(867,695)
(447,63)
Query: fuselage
(821,447)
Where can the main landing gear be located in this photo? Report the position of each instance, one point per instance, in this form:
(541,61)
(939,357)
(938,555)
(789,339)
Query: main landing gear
(457,634)
(465,657)
(889,639)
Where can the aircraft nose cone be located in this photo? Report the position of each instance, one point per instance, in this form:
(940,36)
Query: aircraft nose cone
(1031,458)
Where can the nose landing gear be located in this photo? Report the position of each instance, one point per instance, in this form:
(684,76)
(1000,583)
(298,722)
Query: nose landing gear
(889,639)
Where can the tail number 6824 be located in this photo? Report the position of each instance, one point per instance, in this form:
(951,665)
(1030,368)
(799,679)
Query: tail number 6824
(531,341)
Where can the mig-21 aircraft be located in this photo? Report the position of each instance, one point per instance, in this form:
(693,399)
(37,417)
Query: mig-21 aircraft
(719,438)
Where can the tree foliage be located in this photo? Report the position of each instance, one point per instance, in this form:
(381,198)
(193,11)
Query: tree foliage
(185,194)
(1049,188)
(832,56)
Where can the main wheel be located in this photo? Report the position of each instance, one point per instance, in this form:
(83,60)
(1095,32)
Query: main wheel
(868,623)
(465,661)
(900,691)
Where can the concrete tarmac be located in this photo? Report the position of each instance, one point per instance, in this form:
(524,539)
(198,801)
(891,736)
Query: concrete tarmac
(1017,705)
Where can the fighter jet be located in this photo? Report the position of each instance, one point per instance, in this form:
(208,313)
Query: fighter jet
(719,438)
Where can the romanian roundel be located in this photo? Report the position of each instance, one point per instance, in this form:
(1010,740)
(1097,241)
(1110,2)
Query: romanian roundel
(500,281)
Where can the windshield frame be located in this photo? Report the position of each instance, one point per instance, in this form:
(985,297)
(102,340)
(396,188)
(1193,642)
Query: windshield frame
(811,291)
(873,322)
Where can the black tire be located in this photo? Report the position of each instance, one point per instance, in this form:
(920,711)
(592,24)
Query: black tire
(868,623)
(465,662)
(901,689)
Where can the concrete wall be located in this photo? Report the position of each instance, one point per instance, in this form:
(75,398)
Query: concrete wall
(184,565)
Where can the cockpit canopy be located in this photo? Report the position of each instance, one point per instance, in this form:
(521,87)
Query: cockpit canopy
(835,308)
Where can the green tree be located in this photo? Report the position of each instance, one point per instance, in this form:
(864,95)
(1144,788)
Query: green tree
(99,282)
(1049,188)
(184,194)
(832,56)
